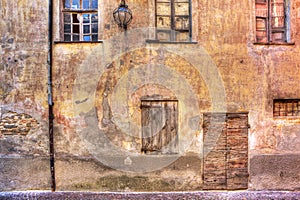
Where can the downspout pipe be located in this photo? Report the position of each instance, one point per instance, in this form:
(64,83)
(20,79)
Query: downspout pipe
(50,96)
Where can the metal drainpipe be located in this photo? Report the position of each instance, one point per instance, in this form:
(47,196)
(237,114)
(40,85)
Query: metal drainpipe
(50,97)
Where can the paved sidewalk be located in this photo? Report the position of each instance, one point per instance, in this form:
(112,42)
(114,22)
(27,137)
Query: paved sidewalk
(239,195)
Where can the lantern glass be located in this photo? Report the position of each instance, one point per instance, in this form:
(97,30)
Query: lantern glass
(122,15)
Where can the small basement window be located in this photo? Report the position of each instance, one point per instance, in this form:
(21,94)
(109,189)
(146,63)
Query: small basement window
(159,126)
(286,107)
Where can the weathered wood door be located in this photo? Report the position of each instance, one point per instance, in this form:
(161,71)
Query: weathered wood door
(225,163)
(159,126)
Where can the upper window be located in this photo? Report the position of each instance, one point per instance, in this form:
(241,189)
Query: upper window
(80,20)
(272,21)
(173,20)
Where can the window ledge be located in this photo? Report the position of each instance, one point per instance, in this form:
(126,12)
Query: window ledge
(77,42)
(170,42)
(275,43)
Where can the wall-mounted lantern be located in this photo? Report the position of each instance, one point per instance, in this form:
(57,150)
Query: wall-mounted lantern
(122,15)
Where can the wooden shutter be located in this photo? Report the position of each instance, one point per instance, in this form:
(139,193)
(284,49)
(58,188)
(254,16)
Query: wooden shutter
(226,151)
(214,166)
(270,20)
(261,11)
(237,151)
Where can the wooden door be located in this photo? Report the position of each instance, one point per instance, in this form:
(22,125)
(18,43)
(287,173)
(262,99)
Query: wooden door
(159,126)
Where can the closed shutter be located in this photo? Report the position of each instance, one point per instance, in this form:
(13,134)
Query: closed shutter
(237,154)
(214,166)
(226,151)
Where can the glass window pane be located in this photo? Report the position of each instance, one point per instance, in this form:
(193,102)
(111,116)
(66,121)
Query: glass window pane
(94,28)
(261,30)
(163,35)
(261,36)
(181,9)
(67,18)
(86,18)
(75,28)
(94,18)
(261,10)
(86,29)
(67,28)
(75,18)
(261,24)
(278,14)
(75,37)
(163,22)
(87,38)
(67,37)
(182,23)
(94,4)
(75,4)
(182,36)
(95,37)
(67,4)
(163,8)
(278,36)
(278,22)
(86,4)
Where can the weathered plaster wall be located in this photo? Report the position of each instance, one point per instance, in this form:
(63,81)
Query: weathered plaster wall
(23,95)
(253,76)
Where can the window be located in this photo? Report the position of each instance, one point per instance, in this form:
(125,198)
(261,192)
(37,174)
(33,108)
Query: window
(272,21)
(80,20)
(173,20)
(286,107)
(159,126)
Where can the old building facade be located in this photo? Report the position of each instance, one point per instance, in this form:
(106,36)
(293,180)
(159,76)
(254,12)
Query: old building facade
(194,95)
